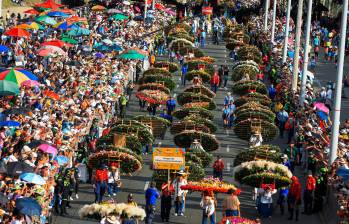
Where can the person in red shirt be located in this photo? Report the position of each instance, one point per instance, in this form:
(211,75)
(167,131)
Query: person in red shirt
(294,197)
(218,167)
(167,190)
(101,183)
(215,82)
(308,194)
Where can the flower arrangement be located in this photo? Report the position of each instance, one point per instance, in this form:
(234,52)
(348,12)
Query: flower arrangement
(186,97)
(159,125)
(194,65)
(266,147)
(180,35)
(184,112)
(193,158)
(254,113)
(209,184)
(232,44)
(157,71)
(196,172)
(168,82)
(175,30)
(194,50)
(128,163)
(120,149)
(253,97)
(243,87)
(152,96)
(247,62)
(243,129)
(249,4)
(257,179)
(180,126)
(241,70)
(251,155)
(104,209)
(261,166)
(185,138)
(132,143)
(237,220)
(144,134)
(202,120)
(252,105)
(205,157)
(200,89)
(173,67)
(205,77)
(208,59)
(154,86)
(249,52)
(179,43)
(205,105)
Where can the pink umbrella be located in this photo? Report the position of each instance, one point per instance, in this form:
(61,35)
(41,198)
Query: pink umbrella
(321,107)
(46,148)
(170,11)
(137,9)
(30,83)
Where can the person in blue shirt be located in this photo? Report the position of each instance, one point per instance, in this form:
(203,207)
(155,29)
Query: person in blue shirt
(171,105)
(232,109)
(228,98)
(226,116)
(151,196)
(272,91)
(282,199)
(282,117)
(184,73)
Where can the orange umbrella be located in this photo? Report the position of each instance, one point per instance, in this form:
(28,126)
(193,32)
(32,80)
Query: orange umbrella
(98,8)
(17,32)
(67,11)
(51,94)
(31,11)
(140,51)
(76,19)
(49,4)
(24,26)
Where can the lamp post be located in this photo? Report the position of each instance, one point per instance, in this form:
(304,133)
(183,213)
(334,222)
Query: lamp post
(296,51)
(273,25)
(287,30)
(306,54)
(266,15)
(145,9)
(338,99)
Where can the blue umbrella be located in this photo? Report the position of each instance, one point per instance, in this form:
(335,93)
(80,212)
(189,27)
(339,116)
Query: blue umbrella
(116,47)
(63,26)
(99,55)
(322,115)
(32,178)
(9,124)
(74,26)
(28,206)
(343,173)
(61,160)
(57,14)
(4,49)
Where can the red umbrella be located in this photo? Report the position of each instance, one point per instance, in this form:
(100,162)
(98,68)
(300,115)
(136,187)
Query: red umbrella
(159,6)
(49,4)
(32,11)
(57,43)
(51,94)
(17,32)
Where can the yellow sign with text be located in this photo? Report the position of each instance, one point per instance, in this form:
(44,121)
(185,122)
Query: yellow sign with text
(168,158)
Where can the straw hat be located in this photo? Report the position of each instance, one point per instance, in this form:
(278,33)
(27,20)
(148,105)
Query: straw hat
(111,219)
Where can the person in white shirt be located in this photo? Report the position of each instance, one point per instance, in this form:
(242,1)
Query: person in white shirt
(266,201)
(113,180)
(179,193)
(208,210)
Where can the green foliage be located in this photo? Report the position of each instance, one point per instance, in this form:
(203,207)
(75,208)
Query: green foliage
(173,67)
(206,77)
(180,126)
(196,172)
(184,112)
(202,120)
(185,138)
(240,71)
(243,129)
(157,71)
(198,53)
(132,142)
(154,86)
(184,98)
(257,97)
(200,89)
(190,157)
(255,180)
(244,87)
(144,135)
(250,155)
(249,52)
(194,65)
(168,82)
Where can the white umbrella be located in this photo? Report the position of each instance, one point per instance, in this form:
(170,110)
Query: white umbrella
(107,41)
(126,3)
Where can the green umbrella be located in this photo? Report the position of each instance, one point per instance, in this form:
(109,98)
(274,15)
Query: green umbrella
(46,20)
(79,32)
(69,40)
(131,54)
(118,17)
(8,88)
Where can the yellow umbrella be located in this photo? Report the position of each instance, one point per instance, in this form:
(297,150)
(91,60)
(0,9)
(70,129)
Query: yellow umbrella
(35,26)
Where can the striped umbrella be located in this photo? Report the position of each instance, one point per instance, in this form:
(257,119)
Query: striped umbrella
(17,76)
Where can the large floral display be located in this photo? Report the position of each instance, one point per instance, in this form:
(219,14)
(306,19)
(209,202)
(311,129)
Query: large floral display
(209,184)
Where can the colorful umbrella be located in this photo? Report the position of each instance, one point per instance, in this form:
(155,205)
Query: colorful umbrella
(46,148)
(28,206)
(131,54)
(18,110)
(98,8)
(9,124)
(49,4)
(77,19)
(46,53)
(118,17)
(51,94)
(45,20)
(69,40)
(17,32)
(112,11)
(32,11)
(107,41)
(32,178)
(8,88)
(321,107)
(30,83)
(99,55)
(61,25)
(24,26)
(4,49)
(17,76)
(61,160)
(50,51)
(79,32)
(57,43)
(57,14)
(17,168)
(36,26)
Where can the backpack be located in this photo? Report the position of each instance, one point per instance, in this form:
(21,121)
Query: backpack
(289,123)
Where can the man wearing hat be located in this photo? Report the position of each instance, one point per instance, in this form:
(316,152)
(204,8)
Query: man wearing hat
(179,194)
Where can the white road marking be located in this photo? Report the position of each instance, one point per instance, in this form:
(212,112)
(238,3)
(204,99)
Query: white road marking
(160,143)
(227,132)
(228,167)
(228,148)
(146,185)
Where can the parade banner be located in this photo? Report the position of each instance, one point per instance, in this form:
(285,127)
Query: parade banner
(169,158)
